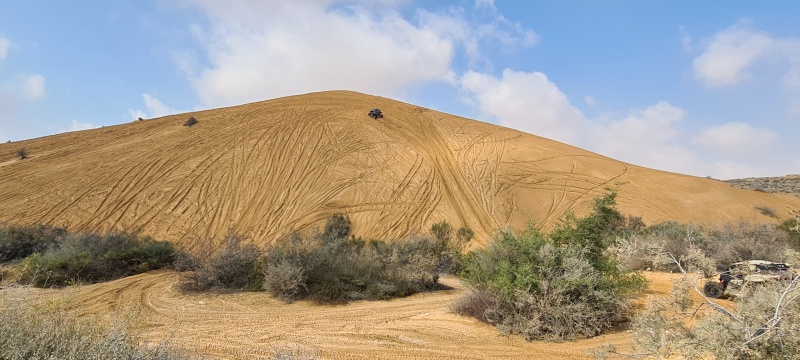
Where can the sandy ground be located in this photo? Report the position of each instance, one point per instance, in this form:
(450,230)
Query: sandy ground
(251,325)
(271,167)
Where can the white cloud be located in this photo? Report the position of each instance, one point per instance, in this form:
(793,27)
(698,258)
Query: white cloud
(4,45)
(735,137)
(643,136)
(265,49)
(732,53)
(651,137)
(78,126)
(591,101)
(33,86)
(525,101)
(154,108)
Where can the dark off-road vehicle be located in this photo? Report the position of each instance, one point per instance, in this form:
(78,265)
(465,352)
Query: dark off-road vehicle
(744,275)
(376,114)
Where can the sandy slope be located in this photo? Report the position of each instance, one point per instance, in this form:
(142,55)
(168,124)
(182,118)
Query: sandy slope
(249,325)
(284,164)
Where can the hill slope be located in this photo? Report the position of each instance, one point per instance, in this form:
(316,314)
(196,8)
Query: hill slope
(278,165)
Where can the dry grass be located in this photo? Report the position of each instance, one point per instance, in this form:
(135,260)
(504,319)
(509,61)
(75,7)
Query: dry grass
(47,331)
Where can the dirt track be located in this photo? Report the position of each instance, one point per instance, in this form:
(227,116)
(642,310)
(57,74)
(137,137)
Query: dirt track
(249,325)
(271,167)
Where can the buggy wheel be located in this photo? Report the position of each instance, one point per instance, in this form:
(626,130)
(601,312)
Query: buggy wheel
(712,290)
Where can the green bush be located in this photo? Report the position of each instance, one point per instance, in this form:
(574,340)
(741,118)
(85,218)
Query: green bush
(88,257)
(233,265)
(552,286)
(41,332)
(17,242)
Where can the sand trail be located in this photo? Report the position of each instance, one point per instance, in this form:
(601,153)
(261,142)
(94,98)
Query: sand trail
(249,325)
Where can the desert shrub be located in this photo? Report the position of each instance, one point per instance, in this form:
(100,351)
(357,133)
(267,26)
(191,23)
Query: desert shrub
(464,236)
(792,229)
(765,324)
(234,264)
(89,257)
(524,284)
(634,251)
(22,154)
(337,227)
(17,242)
(442,231)
(191,121)
(294,353)
(766,210)
(47,332)
(553,286)
(733,242)
(335,271)
(285,280)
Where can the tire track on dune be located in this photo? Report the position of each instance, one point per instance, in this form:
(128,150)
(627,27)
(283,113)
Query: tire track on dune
(425,137)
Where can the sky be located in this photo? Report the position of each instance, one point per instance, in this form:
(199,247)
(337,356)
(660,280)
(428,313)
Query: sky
(704,88)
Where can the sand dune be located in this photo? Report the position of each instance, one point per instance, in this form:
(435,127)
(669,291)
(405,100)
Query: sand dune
(286,164)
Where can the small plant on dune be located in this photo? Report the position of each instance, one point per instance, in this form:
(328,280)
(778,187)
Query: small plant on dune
(464,236)
(190,122)
(766,210)
(22,154)
(442,231)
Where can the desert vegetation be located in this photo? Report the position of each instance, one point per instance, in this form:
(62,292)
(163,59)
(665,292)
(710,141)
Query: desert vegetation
(553,286)
(763,324)
(329,266)
(234,264)
(47,331)
(722,244)
(53,257)
(777,184)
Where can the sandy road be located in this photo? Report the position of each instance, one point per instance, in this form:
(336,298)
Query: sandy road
(250,325)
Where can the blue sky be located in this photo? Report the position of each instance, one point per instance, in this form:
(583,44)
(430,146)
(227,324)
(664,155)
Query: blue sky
(701,88)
